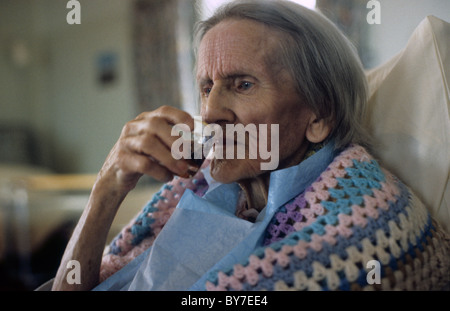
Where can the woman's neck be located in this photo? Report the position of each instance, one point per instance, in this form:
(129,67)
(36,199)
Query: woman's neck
(256,191)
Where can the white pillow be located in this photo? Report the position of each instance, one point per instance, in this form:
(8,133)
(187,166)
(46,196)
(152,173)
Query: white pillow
(409,115)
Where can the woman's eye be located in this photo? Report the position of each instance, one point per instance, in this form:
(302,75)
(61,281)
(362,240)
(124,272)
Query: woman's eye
(206,91)
(245,85)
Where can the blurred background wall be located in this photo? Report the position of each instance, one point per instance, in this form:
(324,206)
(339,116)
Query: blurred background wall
(67,90)
(49,77)
(49,73)
(399,18)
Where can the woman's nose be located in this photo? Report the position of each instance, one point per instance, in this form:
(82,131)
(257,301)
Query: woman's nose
(217,108)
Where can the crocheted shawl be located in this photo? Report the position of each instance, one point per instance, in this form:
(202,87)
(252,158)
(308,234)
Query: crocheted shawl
(356,227)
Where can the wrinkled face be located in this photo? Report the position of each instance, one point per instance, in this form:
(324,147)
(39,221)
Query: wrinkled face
(241,82)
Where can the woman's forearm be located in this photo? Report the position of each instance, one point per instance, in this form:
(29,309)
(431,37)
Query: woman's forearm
(88,240)
(142,148)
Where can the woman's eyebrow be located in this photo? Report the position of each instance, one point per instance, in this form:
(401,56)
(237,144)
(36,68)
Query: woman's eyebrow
(238,75)
(204,81)
(228,77)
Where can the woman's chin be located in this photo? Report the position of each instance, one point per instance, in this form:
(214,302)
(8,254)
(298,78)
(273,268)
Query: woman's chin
(222,171)
(227,171)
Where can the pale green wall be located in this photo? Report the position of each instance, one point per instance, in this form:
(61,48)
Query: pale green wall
(77,120)
(399,19)
(14,101)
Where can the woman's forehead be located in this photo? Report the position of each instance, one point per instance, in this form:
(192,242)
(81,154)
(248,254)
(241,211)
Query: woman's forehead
(235,46)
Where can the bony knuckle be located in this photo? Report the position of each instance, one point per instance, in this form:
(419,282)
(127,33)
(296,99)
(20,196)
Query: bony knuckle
(126,129)
(142,115)
(164,109)
(152,122)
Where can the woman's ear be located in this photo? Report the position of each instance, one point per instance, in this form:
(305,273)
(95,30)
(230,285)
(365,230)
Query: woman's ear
(318,129)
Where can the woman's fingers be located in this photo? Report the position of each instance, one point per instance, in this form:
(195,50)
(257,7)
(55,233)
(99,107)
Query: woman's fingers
(143,165)
(145,145)
(149,128)
(175,116)
(151,147)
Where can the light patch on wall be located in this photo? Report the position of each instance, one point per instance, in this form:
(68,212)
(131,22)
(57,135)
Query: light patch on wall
(209,6)
(310,4)
(20,53)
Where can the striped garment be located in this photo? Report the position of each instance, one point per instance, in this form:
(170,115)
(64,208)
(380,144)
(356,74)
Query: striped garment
(356,227)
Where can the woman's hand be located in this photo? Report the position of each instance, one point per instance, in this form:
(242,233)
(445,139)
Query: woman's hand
(144,147)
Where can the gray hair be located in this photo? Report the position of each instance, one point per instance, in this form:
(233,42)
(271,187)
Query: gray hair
(323,63)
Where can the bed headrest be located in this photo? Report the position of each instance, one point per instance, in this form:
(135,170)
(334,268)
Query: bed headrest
(409,115)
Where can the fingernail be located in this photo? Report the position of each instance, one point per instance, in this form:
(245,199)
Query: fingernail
(192,170)
(185,175)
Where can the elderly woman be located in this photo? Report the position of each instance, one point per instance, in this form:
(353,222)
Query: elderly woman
(328,217)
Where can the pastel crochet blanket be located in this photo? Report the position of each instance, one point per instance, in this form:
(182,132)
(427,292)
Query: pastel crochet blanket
(357,227)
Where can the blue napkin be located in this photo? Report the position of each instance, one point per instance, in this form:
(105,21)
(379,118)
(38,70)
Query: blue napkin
(203,233)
